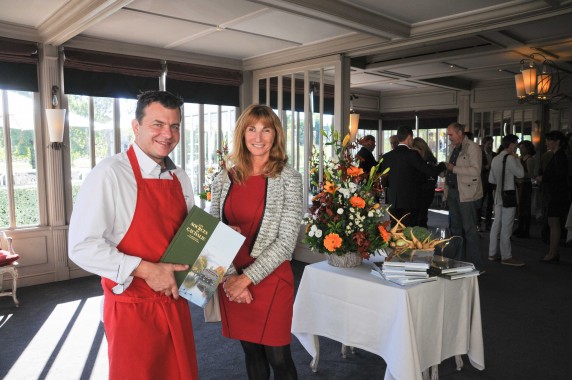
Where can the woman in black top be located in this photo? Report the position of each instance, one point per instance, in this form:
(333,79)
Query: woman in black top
(427,189)
(554,182)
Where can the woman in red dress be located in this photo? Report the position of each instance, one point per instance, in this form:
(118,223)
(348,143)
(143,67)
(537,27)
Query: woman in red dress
(261,197)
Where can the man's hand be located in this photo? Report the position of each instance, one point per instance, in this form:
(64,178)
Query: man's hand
(450,166)
(160,277)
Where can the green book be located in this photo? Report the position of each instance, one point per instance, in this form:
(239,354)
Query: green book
(208,246)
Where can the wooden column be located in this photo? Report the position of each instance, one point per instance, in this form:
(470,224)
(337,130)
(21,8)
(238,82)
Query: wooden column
(55,189)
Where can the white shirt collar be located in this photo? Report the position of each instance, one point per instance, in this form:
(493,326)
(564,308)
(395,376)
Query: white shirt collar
(146,163)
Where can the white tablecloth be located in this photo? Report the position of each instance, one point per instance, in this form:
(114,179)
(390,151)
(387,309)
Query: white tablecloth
(411,328)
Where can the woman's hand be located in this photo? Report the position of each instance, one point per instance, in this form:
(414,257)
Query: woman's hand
(235,286)
(244,297)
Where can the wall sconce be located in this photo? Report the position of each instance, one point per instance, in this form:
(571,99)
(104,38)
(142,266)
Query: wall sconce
(55,118)
(354,120)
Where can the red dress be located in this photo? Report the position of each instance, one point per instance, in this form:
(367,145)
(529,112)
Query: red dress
(268,319)
(150,335)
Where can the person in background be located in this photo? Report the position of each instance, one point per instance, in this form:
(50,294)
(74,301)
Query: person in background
(545,229)
(504,216)
(393,141)
(524,186)
(261,197)
(407,171)
(427,188)
(554,181)
(127,211)
(569,156)
(365,155)
(487,202)
(463,188)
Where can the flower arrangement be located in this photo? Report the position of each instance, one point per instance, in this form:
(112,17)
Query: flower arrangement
(345,215)
(213,170)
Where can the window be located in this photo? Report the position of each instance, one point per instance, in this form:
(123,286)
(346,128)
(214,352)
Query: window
(304,101)
(19,196)
(94,131)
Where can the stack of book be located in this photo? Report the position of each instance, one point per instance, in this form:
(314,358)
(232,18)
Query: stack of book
(451,269)
(405,269)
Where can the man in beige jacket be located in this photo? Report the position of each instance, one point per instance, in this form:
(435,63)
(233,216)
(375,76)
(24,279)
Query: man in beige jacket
(463,188)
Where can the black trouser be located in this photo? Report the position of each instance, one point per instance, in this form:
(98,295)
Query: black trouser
(258,357)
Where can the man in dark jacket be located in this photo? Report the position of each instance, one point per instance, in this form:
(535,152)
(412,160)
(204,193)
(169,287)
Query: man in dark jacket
(365,155)
(406,171)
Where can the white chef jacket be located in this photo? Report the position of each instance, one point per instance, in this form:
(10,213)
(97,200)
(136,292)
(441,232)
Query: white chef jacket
(103,212)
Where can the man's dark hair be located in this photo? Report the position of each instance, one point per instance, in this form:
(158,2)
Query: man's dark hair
(509,139)
(557,136)
(403,132)
(165,98)
(368,138)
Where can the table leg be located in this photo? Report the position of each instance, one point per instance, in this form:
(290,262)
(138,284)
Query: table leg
(459,362)
(435,372)
(15,286)
(345,350)
(316,359)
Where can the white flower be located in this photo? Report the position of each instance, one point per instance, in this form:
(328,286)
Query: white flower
(314,231)
(340,211)
(353,187)
(370,214)
(345,192)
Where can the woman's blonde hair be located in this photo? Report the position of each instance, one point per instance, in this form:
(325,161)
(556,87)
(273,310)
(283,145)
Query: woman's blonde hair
(240,159)
(421,146)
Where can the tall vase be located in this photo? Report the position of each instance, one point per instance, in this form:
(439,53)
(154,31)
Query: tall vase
(347,260)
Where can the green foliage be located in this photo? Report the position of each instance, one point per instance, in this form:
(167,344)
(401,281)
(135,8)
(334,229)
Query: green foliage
(26,200)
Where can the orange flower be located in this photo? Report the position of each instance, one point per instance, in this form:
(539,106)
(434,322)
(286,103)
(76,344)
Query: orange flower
(332,241)
(209,196)
(357,201)
(384,233)
(354,171)
(330,187)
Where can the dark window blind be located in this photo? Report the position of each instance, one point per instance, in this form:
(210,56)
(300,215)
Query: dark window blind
(109,75)
(18,65)
(204,84)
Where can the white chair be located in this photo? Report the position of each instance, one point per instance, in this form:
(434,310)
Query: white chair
(10,268)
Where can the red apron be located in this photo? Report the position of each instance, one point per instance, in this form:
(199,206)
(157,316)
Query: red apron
(268,319)
(150,335)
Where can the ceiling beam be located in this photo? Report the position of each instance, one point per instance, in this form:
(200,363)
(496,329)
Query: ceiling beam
(451,83)
(76,16)
(553,3)
(342,14)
